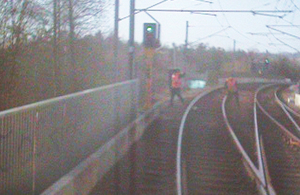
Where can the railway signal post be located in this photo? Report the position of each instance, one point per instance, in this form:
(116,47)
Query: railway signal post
(150,43)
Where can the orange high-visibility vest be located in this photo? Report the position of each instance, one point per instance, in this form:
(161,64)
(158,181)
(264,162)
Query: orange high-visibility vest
(176,81)
(232,85)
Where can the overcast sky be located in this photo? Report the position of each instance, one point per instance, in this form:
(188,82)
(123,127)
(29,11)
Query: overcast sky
(248,30)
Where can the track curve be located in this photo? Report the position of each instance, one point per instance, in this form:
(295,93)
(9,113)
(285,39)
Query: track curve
(282,158)
(211,163)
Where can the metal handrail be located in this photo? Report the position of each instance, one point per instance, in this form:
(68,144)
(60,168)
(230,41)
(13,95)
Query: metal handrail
(63,98)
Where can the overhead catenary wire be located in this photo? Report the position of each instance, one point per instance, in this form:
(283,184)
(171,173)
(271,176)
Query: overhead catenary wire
(248,37)
(263,10)
(267,35)
(237,30)
(291,24)
(222,24)
(207,14)
(294,11)
(284,42)
(294,25)
(210,35)
(261,34)
(265,4)
(141,10)
(205,1)
(223,13)
(285,33)
(295,5)
(216,11)
(270,15)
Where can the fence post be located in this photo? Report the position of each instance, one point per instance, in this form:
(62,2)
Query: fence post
(34,152)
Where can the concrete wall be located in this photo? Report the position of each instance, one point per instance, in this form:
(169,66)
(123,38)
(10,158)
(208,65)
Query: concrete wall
(85,176)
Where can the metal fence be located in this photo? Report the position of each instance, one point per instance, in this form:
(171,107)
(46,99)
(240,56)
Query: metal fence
(41,142)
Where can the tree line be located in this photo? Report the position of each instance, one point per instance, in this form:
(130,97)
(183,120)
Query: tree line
(38,44)
(48,48)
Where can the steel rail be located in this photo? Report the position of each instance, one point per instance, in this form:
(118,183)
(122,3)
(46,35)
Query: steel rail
(286,106)
(286,112)
(259,177)
(262,158)
(179,142)
(257,136)
(284,129)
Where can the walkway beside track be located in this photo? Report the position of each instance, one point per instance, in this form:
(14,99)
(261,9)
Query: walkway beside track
(150,166)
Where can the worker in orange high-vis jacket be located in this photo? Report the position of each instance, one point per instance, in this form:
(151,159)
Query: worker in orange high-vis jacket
(232,90)
(176,86)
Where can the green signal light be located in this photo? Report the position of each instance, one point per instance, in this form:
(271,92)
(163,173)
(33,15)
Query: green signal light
(149,29)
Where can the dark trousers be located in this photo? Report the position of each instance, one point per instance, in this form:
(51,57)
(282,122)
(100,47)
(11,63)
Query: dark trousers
(174,92)
(234,95)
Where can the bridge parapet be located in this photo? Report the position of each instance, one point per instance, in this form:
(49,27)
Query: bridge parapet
(85,176)
(41,142)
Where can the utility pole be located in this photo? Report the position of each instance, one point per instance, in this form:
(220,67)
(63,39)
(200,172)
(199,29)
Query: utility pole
(186,45)
(134,107)
(114,71)
(116,41)
(174,55)
(234,44)
(233,55)
(187,34)
(131,40)
(131,33)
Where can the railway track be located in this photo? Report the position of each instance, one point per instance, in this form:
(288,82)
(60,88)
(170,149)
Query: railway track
(281,141)
(211,163)
(251,150)
(220,149)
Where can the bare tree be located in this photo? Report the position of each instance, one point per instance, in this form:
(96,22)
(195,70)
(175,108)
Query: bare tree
(71,44)
(81,15)
(56,76)
(20,19)
(4,18)
(77,18)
